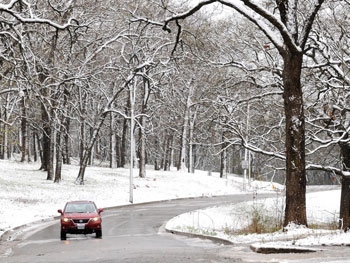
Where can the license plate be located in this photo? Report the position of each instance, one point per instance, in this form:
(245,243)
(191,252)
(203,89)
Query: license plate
(81,226)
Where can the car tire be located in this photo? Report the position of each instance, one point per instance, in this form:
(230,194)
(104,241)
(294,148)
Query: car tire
(98,233)
(63,235)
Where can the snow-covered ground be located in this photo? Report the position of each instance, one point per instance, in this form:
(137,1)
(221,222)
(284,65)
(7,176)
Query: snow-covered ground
(26,196)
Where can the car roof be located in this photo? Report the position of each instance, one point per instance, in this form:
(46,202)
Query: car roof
(79,201)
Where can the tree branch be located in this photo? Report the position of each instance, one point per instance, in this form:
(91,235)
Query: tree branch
(8,8)
(310,20)
(186,14)
(252,12)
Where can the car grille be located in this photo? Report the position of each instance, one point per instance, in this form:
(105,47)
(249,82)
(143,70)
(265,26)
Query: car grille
(80,221)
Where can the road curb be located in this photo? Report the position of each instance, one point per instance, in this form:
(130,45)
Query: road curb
(206,237)
(270,249)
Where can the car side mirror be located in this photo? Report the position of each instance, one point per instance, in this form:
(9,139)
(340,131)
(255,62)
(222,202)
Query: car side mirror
(60,211)
(100,210)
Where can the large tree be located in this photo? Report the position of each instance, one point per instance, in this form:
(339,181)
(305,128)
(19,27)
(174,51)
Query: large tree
(287,25)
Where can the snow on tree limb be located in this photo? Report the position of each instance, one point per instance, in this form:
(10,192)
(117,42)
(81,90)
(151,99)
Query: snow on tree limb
(9,90)
(46,21)
(8,6)
(327,169)
(309,22)
(186,14)
(32,19)
(266,153)
(265,20)
(253,12)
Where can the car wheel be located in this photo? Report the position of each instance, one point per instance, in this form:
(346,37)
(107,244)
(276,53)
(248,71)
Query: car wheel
(98,233)
(63,235)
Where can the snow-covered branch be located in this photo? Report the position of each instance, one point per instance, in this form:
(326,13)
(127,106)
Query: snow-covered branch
(309,22)
(186,14)
(327,169)
(9,90)
(255,149)
(32,19)
(257,14)
(253,12)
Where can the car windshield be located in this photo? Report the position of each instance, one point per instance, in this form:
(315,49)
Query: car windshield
(80,208)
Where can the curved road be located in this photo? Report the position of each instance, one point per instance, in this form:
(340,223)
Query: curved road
(135,234)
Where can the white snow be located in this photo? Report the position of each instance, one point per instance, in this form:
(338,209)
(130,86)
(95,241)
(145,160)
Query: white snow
(26,196)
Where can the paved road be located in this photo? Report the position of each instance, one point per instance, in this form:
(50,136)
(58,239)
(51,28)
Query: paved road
(135,234)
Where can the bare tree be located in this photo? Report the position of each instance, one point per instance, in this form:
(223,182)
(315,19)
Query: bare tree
(289,37)
(329,127)
(20,22)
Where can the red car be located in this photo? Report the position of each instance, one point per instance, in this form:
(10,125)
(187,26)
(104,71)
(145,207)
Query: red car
(80,217)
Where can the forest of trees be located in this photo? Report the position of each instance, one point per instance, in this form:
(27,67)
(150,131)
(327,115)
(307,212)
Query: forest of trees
(206,83)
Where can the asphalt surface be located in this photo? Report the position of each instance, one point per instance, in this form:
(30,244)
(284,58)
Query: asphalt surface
(136,234)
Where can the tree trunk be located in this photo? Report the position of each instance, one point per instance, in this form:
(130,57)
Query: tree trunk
(87,152)
(5,153)
(60,148)
(142,147)
(345,204)
(82,140)
(345,188)
(295,210)
(81,175)
(50,164)
(223,157)
(118,149)
(158,155)
(2,133)
(167,150)
(95,148)
(190,150)
(45,145)
(182,159)
(163,150)
(29,143)
(39,145)
(35,148)
(59,153)
(67,148)
(123,143)
(24,137)
(172,152)
(112,144)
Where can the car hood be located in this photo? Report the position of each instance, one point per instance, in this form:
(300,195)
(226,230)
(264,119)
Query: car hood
(80,215)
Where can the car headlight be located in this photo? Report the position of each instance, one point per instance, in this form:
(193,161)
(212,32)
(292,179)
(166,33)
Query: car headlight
(95,219)
(65,219)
